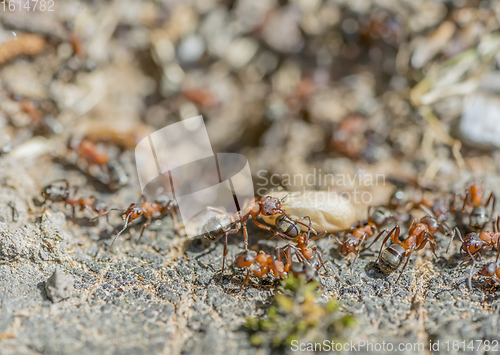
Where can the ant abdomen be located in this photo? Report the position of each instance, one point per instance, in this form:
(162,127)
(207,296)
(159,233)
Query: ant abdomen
(216,227)
(478,218)
(288,227)
(391,258)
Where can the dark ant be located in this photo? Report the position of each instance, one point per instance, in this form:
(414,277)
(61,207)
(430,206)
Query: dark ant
(420,232)
(151,210)
(478,217)
(267,206)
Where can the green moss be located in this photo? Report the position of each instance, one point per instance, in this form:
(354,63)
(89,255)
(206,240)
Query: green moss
(296,314)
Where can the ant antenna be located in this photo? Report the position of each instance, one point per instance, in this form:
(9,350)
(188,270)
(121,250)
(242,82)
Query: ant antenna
(120,232)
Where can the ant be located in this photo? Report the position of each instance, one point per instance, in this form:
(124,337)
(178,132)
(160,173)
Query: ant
(353,238)
(303,251)
(475,243)
(419,234)
(490,270)
(478,217)
(87,151)
(61,193)
(262,264)
(151,210)
(266,206)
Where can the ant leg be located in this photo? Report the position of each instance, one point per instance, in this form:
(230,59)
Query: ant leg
(320,258)
(147,223)
(427,210)
(394,235)
(217,210)
(245,281)
(322,234)
(455,231)
(404,267)
(357,254)
(224,256)
(498,250)
(299,222)
(73,215)
(466,200)
(380,234)
(491,198)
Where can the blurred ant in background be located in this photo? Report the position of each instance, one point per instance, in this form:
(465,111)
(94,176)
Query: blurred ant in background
(61,193)
(478,215)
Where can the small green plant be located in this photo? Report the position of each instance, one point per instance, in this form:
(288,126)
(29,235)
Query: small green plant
(296,314)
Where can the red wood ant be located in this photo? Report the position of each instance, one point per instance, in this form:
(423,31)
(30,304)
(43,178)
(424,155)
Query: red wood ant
(475,243)
(87,151)
(261,264)
(478,217)
(266,206)
(305,253)
(61,193)
(353,238)
(490,270)
(420,232)
(151,210)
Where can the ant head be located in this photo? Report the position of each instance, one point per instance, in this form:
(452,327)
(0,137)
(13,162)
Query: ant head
(431,222)
(348,245)
(472,243)
(244,259)
(488,269)
(134,211)
(270,205)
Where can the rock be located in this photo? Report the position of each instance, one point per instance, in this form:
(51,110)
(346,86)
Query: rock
(191,49)
(59,286)
(479,122)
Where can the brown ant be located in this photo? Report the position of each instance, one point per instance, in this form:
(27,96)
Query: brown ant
(61,193)
(420,232)
(475,243)
(88,152)
(262,264)
(353,238)
(266,206)
(490,270)
(151,210)
(303,251)
(478,217)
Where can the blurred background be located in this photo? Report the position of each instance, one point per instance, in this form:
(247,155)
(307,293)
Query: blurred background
(298,87)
